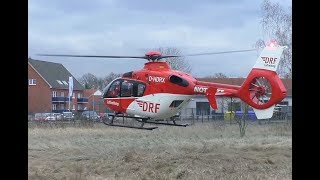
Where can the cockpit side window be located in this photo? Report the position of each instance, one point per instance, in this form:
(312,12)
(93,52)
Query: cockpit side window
(141,88)
(114,90)
(127,89)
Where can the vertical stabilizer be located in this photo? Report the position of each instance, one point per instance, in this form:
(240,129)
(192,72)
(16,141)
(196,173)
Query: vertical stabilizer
(263,88)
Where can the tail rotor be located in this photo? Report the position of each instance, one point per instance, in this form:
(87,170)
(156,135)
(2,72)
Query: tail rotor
(260,90)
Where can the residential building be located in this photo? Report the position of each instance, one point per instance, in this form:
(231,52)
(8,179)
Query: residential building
(48,88)
(95,101)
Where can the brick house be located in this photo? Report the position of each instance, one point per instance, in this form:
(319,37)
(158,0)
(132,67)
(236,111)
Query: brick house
(95,101)
(48,88)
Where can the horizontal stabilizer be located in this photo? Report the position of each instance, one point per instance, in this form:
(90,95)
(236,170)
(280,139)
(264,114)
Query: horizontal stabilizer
(211,95)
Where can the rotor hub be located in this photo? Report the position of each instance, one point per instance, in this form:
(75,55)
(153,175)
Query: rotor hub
(260,90)
(153,56)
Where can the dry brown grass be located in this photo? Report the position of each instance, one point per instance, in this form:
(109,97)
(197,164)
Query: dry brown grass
(201,151)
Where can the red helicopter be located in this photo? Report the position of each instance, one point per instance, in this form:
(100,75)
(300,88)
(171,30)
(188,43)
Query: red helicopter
(157,92)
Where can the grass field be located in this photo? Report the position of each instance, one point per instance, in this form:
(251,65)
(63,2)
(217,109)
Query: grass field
(200,151)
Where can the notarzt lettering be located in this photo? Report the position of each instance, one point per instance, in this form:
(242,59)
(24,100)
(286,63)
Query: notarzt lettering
(200,89)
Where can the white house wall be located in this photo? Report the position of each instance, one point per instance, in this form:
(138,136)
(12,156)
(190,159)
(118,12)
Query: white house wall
(222,103)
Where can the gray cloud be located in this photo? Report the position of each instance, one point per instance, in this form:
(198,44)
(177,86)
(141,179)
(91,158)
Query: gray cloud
(123,27)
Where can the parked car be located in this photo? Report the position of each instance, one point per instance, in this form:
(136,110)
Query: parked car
(40,116)
(53,116)
(107,116)
(90,115)
(67,115)
(101,115)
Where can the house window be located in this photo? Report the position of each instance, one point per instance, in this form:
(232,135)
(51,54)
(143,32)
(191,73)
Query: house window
(62,106)
(202,108)
(64,82)
(54,106)
(73,95)
(284,103)
(62,94)
(73,107)
(79,106)
(32,82)
(54,93)
(79,95)
(59,82)
(235,106)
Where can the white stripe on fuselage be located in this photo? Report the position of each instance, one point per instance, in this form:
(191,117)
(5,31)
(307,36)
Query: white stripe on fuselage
(156,106)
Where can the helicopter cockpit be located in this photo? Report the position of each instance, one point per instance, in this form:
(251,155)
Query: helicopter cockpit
(124,88)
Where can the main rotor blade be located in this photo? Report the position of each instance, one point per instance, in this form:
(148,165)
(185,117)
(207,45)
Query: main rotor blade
(66,55)
(146,57)
(209,53)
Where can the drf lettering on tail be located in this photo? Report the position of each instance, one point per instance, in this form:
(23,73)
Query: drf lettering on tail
(269,60)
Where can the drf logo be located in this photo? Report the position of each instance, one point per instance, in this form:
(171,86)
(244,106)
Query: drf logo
(199,89)
(156,79)
(148,106)
(269,60)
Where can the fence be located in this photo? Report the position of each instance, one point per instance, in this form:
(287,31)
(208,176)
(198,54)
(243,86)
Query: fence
(187,115)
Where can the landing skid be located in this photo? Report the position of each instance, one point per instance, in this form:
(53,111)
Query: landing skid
(163,123)
(110,122)
(143,121)
(134,127)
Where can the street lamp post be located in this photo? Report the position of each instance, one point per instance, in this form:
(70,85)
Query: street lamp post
(92,100)
(93,103)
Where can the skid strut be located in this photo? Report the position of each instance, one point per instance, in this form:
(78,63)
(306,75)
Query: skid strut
(140,120)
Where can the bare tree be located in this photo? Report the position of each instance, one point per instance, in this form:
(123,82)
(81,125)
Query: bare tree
(242,121)
(108,78)
(277,24)
(217,75)
(89,81)
(176,63)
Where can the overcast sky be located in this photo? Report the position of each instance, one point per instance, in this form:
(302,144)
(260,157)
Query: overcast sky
(132,27)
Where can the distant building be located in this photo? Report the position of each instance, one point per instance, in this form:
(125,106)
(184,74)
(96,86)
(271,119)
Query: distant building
(95,101)
(48,88)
